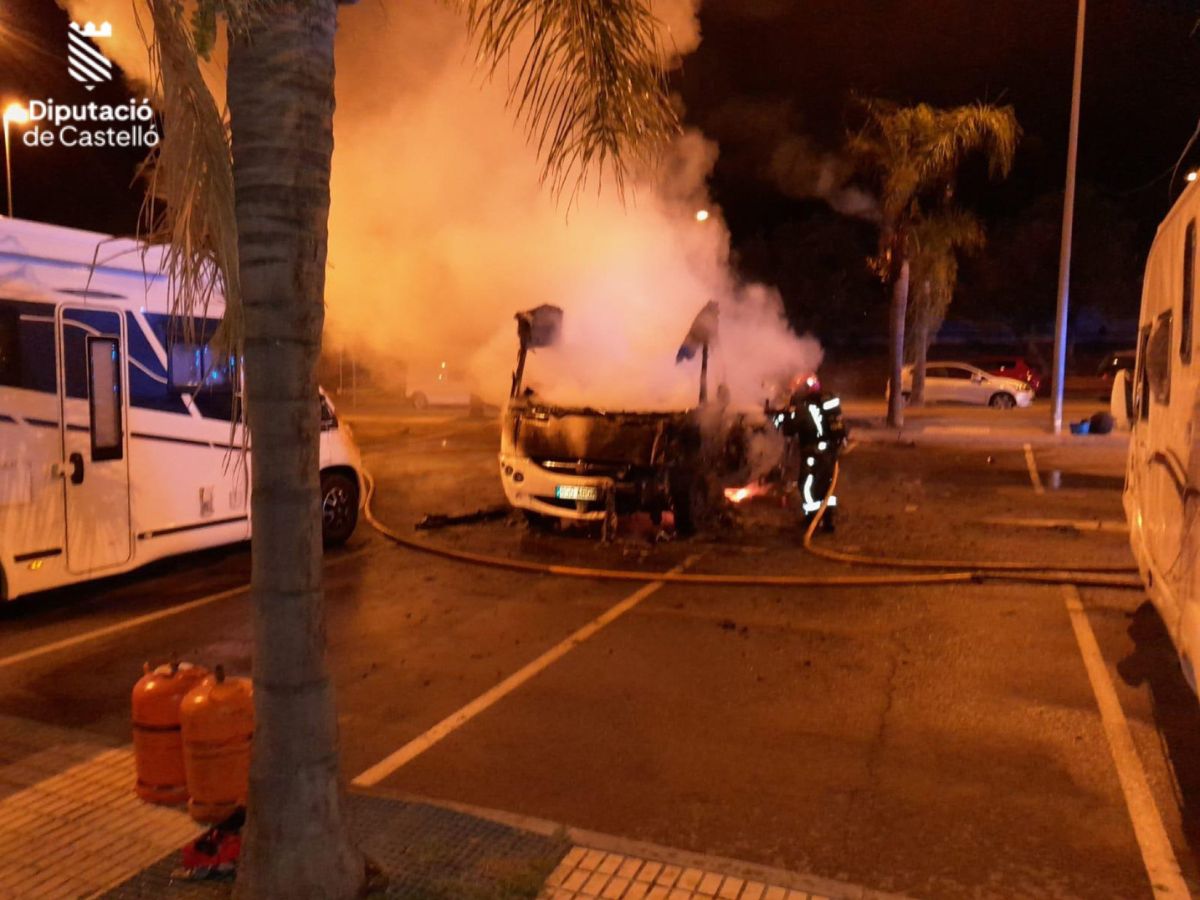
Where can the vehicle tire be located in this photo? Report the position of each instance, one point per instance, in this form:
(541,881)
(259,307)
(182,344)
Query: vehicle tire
(419,400)
(691,498)
(1002,400)
(905,397)
(539,521)
(339,507)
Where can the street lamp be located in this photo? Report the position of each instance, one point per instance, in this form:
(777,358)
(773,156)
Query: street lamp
(1068,223)
(17,113)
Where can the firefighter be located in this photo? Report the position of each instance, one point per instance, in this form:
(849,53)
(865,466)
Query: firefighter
(816,433)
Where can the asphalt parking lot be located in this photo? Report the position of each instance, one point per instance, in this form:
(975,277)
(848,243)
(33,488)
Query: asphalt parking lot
(938,741)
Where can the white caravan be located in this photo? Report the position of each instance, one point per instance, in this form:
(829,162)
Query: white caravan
(115,433)
(1162,480)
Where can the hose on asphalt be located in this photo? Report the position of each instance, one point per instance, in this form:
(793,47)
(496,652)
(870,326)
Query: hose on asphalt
(899,579)
(990,567)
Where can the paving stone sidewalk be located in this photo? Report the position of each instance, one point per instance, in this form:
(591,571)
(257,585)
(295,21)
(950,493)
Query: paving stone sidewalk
(72,827)
(70,823)
(432,852)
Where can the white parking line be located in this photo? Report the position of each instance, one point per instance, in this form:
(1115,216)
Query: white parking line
(1033,470)
(117,628)
(138,621)
(1108,526)
(453,722)
(1166,879)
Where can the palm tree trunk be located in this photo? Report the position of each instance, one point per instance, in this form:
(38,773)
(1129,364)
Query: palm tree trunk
(899,308)
(280,93)
(920,347)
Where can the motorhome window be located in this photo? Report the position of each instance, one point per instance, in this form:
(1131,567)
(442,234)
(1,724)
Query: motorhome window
(104,392)
(192,367)
(27,353)
(1185,306)
(10,348)
(1158,359)
(1141,392)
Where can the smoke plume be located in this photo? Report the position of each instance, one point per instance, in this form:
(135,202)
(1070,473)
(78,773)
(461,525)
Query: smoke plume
(800,170)
(440,231)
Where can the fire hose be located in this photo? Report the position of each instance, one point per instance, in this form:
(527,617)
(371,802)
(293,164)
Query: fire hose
(1001,570)
(964,574)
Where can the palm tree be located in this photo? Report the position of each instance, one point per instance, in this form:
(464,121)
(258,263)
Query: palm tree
(254,211)
(913,153)
(937,239)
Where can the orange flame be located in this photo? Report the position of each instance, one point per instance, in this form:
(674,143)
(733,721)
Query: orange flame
(743,493)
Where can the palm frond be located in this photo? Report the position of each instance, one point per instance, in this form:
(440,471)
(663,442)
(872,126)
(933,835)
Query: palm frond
(911,154)
(591,86)
(937,240)
(948,229)
(954,134)
(189,205)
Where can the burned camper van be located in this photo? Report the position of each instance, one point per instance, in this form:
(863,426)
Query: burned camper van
(590,465)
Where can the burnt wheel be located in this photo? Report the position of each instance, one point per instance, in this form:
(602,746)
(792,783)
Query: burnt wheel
(339,507)
(691,497)
(540,521)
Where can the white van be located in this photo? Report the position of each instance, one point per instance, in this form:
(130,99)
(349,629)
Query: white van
(1162,480)
(116,445)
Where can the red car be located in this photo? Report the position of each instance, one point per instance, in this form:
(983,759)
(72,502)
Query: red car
(1010,367)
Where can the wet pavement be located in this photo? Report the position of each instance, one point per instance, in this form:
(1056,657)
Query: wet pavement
(936,741)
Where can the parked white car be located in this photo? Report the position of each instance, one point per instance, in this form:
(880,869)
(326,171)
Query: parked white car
(959,382)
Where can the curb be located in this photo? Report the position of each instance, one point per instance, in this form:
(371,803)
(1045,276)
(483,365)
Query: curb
(810,884)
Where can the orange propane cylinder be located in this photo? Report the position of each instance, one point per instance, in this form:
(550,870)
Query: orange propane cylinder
(157,744)
(218,722)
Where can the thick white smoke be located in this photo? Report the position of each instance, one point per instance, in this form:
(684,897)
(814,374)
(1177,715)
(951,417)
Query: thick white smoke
(440,231)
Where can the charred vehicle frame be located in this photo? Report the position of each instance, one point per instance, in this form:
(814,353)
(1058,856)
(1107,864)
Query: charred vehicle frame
(586,465)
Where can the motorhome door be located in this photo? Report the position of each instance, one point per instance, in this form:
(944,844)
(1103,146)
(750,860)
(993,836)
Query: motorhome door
(94,440)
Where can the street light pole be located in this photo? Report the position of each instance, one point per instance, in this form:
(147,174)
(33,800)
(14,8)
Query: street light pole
(14,112)
(1068,223)
(8,169)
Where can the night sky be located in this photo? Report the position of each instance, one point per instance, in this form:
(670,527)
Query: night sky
(809,58)
(770,70)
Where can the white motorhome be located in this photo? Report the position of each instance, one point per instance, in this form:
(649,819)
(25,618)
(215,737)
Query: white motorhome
(1162,481)
(116,443)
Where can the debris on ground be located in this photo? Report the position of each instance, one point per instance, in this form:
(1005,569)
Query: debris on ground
(215,853)
(439,520)
(1097,423)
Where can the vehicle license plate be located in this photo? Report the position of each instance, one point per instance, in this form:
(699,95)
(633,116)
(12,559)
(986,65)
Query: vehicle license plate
(576,492)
